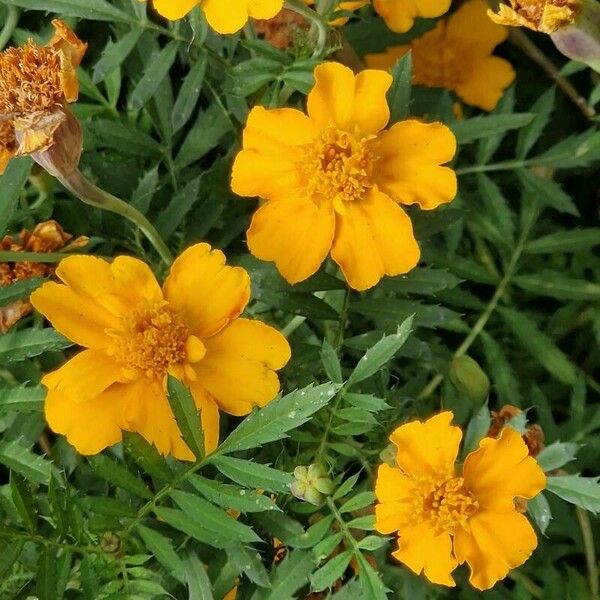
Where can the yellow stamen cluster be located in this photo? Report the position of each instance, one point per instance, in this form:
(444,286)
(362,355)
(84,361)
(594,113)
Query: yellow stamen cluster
(152,340)
(30,80)
(8,142)
(339,167)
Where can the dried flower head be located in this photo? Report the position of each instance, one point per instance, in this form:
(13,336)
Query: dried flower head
(8,144)
(533,435)
(36,85)
(545,16)
(282,30)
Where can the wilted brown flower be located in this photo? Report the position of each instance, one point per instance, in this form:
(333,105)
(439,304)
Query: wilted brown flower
(533,436)
(546,16)
(281,31)
(48,236)
(36,85)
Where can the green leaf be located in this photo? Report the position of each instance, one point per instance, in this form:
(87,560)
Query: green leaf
(147,457)
(189,93)
(361,500)
(12,183)
(272,422)
(491,125)
(162,548)
(557,285)
(249,562)
(547,192)
(331,572)
(27,343)
(371,582)
(199,586)
(187,415)
(314,534)
(19,289)
(10,551)
(373,542)
(124,138)
(331,362)
(22,498)
(478,427)
(571,240)
(155,72)
(540,346)
(22,460)
(581,491)
(487,146)
(557,455)
(22,399)
(174,213)
(289,576)
(214,519)
(95,10)
(542,109)
(398,96)
(381,353)
(346,487)
(496,207)
(117,474)
(539,509)
(500,371)
(231,496)
(114,54)
(253,475)
(46,584)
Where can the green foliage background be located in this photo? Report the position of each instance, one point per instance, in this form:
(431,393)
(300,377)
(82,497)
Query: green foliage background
(509,274)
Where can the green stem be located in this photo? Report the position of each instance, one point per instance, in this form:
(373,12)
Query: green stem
(90,194)
(316,19)
(12,19)
(38,539)
(37,257)
(534,589)
(590,550)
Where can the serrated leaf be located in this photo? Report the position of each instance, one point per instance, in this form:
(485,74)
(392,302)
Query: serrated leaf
(22,460)
(542,109)
(253,475)
(478,427)
(398,96)
(557,285)
(187,415)
(491,125)
(331,572)
(381,353)
(581,491)
(557,455)
(114,54)
(19,289)
(373,542)
(361,500)
(539,509)
(331,362)
(272,422)
(571,240)
(95,10)
(117,474)
(249,562)
(547,192)
(18,345)
(25,399)
(199,586)
(11,184)
(189,93)
(162,548)
(291,574)
(371,582)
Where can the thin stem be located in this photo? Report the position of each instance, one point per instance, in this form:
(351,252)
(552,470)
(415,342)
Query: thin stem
(316,19)
(37,257)
(485,315)
(534,589)
(38,539)
(522,41)
(12,19)
(590,550)
(90,194)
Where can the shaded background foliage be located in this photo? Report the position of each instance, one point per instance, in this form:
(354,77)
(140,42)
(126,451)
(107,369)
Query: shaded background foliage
(509,274)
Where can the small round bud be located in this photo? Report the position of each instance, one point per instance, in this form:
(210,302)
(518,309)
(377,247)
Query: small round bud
(469,378)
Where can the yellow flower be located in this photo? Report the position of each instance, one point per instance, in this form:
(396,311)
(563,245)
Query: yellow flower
(546,16)
(36,85)
(400,15)
(333,179)
(446,516)
(350,5)
(135,333)
(457,55)
(224,16)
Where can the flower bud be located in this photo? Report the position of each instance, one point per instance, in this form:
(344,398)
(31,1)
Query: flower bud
(388,455)
(110,542)
(469,379)
(311,484)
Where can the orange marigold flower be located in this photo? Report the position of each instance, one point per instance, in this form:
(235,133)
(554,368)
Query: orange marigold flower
(48,236)
(546,16)
(445,516)
(400,15)
(334,179)
(135,333)
(457,55)
(223,16)
(36,85)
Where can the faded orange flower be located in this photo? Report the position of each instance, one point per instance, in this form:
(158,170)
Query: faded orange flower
(135,333)
(546,16)
(400,15)
(457,55)
(334,179)
(446,515)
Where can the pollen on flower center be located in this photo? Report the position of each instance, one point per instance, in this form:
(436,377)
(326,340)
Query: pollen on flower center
(339,167)
(8,141)
(449,505)
(153,338)
(30,79)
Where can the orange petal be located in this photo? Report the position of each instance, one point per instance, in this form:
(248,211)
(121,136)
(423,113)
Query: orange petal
(393,490)
(174,9)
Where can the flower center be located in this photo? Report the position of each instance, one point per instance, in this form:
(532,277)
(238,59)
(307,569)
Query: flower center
(8,142)
(30,79)
(533,10)
(338,167)
(152,339)
(449,505)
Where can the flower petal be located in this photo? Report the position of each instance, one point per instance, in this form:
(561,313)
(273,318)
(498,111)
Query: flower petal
(174,9)
(238,370)
(295,234)
(400,16)
(501,469)
(408,169)
(422,551)
(225,17)
(393,490)
(471,24)
(428,447)
(340,98)
(206,292)
(76,316)
(264,9)
(373,237)
(91,425)
(135,281)
(495,544)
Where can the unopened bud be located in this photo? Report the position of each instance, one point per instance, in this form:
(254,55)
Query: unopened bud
(388,455)
(469,378)
(110,542)
(311,484)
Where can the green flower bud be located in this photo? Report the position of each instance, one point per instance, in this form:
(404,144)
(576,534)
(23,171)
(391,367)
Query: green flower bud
(469,379)
(311,484)
(388,455)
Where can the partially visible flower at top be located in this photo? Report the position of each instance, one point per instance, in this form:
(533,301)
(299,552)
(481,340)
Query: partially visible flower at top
(533,435)
(573,25)
(135,333)
(457,55)
(36,85)
(400,15)
(334,179)
(283,29)
(224,16)
(348,6)
(444,515)
(46,237)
